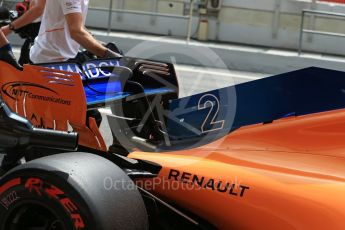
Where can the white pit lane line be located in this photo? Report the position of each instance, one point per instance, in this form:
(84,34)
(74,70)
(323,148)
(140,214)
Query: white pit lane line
(105,111)
(219,72)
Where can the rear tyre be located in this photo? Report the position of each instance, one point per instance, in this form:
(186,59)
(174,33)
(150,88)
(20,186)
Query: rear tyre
(70,191)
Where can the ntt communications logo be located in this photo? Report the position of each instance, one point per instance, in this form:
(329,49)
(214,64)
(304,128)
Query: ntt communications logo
(15,90)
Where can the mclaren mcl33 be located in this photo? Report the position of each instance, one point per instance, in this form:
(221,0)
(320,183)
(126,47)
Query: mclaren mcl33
(267,154)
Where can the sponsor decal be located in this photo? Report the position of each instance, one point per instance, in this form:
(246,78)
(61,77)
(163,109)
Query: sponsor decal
(73,4)
(234,189)
(14,90)
(39,187)
(9,199)
(89,70)
(94,69)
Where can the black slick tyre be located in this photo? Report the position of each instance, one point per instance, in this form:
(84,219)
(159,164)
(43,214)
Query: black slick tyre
(70,191)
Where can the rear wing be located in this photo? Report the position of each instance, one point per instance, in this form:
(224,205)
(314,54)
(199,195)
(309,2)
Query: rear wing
(108,81)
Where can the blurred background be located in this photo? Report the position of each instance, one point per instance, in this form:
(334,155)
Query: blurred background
(270,23)
(263,37)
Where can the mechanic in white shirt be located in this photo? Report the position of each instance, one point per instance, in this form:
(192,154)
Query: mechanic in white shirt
(6,53)
(62,33)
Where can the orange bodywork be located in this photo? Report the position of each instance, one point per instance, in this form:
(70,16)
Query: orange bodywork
(50,99)
(285,175)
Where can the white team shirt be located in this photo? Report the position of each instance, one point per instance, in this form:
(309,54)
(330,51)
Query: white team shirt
(54,42)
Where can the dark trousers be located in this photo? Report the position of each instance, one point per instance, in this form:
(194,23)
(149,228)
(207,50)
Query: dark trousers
(25,52)
(29,33)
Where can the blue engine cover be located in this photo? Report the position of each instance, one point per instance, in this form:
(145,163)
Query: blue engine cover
(205,117)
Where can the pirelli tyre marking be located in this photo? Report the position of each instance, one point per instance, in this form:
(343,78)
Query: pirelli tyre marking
(36,185)
(9,196)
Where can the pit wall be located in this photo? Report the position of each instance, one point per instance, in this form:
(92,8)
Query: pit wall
(268,23)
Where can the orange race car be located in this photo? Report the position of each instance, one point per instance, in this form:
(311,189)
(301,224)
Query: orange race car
(260,155)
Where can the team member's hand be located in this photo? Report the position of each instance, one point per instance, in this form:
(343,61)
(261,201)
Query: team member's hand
(111,54)
(6,30)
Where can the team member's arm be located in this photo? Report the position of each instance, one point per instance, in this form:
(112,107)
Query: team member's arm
(34,12)
(84,38)
(3,40)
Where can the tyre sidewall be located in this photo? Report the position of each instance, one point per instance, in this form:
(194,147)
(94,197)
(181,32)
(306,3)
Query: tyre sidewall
(46,189)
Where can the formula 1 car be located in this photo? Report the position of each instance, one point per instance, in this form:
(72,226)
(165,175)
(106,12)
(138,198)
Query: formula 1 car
(266,154)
